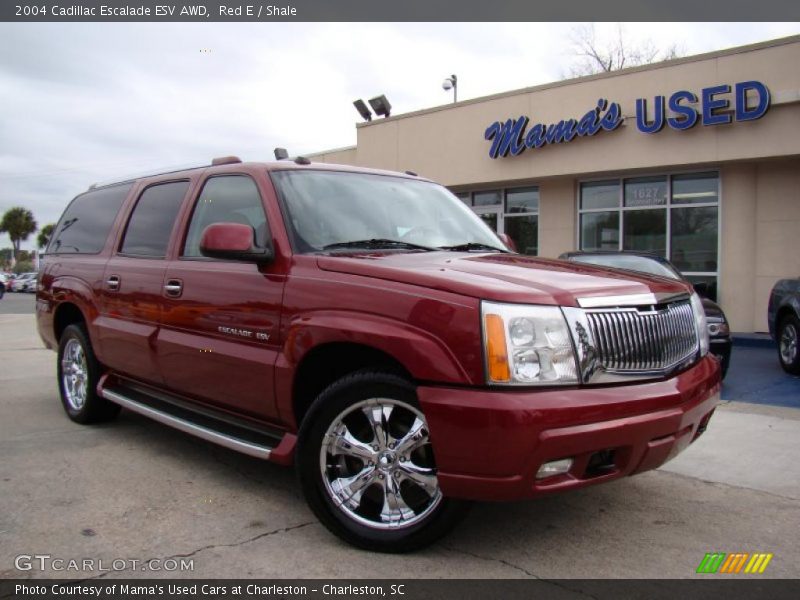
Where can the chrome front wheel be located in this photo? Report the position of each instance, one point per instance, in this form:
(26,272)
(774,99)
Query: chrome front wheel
(367,468)
(377,464)
(789,344)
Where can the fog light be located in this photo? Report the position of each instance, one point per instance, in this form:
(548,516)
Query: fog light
(555,467)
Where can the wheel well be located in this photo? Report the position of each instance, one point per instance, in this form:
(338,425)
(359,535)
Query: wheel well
(66,315)
(784,312)
(325,364)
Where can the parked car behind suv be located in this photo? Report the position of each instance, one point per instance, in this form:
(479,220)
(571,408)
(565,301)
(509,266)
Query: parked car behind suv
(783,315)
(369,328)
(718,329)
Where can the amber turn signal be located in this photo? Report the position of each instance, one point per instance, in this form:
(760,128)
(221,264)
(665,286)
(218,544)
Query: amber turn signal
(496,352)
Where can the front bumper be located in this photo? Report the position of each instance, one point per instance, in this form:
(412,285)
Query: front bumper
(490,443)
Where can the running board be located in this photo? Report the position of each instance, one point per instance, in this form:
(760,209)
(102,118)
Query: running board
(243,439)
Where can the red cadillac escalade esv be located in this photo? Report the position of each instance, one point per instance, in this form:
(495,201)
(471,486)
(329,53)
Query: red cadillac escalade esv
(369,328)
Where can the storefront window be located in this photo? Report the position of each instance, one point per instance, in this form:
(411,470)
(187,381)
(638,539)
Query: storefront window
(695,188)
(694,238)
(646,191)
(675,216)
(513,211)
(600,231)
(599,194)
(487,198)
(645,231)
(524,230)
(523,200)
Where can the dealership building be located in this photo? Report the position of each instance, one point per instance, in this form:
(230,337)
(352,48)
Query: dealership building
(697,159)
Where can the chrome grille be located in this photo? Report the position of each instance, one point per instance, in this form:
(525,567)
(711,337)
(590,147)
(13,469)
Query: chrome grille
(643,338)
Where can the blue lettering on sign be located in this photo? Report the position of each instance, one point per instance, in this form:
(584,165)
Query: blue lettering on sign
(509,137)
(679,112)
(742,112)
(710,104)
(688,113)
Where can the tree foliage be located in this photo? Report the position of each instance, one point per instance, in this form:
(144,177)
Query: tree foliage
(19,224)
(594,55)
(44,235)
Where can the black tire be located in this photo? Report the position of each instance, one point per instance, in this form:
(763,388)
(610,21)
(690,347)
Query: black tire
(435,517)
(92,408)
(789,344)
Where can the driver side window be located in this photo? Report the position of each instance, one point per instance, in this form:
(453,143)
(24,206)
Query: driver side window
(227,199)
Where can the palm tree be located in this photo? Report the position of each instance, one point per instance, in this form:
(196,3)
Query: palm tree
(18,223)
(44,235)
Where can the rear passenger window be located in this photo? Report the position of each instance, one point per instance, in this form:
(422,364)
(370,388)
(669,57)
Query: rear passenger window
(227,199)
(84,227)
(151,223)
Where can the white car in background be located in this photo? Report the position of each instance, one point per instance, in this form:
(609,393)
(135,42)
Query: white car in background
(25,283)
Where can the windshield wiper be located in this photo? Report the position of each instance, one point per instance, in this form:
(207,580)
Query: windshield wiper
(471,246)
(377,243)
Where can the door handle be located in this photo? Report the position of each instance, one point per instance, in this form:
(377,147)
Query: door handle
(113,283)
(173,288)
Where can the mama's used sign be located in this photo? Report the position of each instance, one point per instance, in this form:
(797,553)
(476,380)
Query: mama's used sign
(713,107)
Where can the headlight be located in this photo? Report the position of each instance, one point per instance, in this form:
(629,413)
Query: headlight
(527,345)
(700,323)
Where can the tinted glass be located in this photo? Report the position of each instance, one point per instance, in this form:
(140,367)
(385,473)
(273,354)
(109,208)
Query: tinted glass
(646,191)
(600,194)
(629,262)
(487,198)
(645,230)
(151,223)
(525,233)
(600,231)
(694,238)
(325,208)
(694,188)
(522,200)
(230,199)
(85,225)
(464,197)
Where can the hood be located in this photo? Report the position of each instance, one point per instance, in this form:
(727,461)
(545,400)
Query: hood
(500,277)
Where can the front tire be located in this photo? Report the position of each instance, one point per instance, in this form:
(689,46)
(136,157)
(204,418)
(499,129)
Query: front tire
(366,465)
(788,345)
(78,374)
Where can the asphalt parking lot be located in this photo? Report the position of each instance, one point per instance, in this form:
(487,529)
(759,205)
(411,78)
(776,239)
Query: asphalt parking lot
(134,489)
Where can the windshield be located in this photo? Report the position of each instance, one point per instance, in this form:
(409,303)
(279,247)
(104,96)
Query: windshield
(631,262)
(328,209)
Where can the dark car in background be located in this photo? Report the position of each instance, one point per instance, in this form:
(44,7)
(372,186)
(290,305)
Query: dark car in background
(644,262)
(783,314)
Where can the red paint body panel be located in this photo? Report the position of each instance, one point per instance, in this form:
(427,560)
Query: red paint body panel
(237,333)
(489,444)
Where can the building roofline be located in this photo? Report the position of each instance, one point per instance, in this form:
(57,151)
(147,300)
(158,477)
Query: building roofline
(330,151)
(793,39)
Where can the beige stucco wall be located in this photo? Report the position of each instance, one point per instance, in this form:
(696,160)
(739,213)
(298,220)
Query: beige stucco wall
(447,144)
(777,230)
(557,217)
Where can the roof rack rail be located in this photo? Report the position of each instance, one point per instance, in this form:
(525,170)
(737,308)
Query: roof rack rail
(225,160)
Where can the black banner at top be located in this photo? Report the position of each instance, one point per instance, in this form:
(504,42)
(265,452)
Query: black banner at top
(398,10)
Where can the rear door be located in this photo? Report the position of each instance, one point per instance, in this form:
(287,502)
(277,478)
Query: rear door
(218,341)
(133,282)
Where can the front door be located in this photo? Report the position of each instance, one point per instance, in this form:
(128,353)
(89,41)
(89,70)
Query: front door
(218,341)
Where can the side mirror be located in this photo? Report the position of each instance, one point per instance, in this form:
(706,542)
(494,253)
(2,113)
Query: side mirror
(506,239)
(232,241)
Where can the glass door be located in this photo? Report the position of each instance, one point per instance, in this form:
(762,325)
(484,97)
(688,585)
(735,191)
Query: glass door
(492,216)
